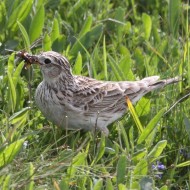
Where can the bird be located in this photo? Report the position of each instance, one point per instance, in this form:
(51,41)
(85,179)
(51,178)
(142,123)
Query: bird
(78,102)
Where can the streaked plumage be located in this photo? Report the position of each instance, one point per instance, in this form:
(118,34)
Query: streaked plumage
(78,102)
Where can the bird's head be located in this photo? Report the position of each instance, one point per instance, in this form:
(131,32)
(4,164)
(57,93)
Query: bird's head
(53,66)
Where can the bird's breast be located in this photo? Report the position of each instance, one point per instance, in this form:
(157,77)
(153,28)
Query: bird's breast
(48,102)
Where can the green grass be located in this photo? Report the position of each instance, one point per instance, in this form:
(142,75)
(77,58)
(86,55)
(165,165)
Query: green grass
(106,40)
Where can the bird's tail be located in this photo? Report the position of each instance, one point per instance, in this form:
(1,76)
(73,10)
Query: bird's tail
(155,83)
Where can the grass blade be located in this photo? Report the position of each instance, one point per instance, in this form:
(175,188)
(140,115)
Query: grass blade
(25,36)
(184,164)
(12,91)
(174,16)
(77,69)
(30,185)
(87,40)
(16,74)
(134,115)
(104,58)
(150,127)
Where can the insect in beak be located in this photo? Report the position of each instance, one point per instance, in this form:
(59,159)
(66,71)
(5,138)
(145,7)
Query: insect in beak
(28,58)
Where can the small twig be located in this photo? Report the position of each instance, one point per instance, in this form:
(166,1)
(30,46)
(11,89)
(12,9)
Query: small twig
(95,132)
(66,124)
(178,101)
(10,50)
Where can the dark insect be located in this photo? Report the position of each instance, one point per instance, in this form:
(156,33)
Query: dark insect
(29,59)
(25,56)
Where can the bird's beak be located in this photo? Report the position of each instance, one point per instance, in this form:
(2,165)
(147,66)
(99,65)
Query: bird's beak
(33,59)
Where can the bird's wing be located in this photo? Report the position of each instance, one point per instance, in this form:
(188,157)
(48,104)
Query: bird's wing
(100,96)
(93,95)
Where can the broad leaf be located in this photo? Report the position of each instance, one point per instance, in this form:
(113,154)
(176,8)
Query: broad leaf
(8,153)
(121,169)
(157,150)
(37,24)
(147,22)
(140,169)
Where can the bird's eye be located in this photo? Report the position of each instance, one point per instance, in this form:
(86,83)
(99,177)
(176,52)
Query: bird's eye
(47,61)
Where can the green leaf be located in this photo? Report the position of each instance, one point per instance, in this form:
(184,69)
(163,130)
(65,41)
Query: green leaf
(121,169)
(18,116)
(187,126)
(25,10)
(165,187)
(3,14)
(37,24)
(87,40)
(10,67)
(46,43)
(8,153)
(132,139)
(25,36)
(115,68)
(77,69)
(101,149)
(31,170)
(147,22)
(141,168)
(59,44)
(86,26)
(137,156)
(12,91)
(135,185)
(19,13)
(105,59)
(139,60)
(16,74)
(55,30)
(157,150)
(98,185)
(183,164)
(155,32)
(64,185)
(109,185)
(125,64)
(174,16)
(119,27)
(150,127)
(125,137)
(74,8)
(121,187)
(134,115)
(143,106)
(6,183)
(77,162)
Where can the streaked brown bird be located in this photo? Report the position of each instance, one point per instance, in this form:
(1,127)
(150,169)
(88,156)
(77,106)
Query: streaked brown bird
(78,102)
